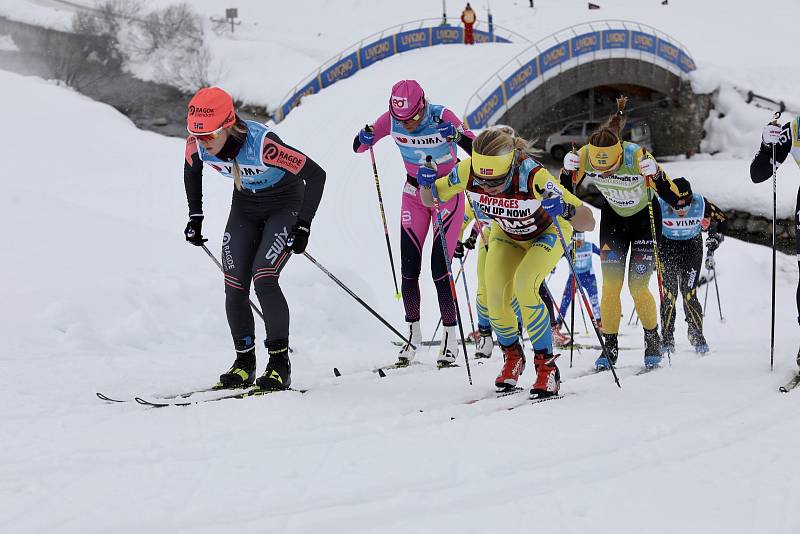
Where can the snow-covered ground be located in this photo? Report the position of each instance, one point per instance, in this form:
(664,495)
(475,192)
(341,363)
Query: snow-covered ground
(101,293)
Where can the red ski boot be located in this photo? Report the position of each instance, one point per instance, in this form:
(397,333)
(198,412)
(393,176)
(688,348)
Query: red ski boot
(514,364)
(548,377)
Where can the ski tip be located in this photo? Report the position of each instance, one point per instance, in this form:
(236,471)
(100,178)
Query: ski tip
(381,373)
(107,399)
(336,372)
(144,402)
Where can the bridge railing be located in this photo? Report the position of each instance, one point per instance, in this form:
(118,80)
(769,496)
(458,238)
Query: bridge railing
(383,44)
(566,49)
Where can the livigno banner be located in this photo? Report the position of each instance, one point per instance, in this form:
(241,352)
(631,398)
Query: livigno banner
(378,50)
(585,43)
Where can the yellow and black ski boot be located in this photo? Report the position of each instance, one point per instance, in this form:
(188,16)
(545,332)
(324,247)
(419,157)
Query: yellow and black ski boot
(278,374)
(242,373)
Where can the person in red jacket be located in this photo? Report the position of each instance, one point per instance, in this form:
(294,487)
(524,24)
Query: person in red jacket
(468,18)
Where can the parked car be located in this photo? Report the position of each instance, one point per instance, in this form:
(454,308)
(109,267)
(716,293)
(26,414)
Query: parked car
(577,133)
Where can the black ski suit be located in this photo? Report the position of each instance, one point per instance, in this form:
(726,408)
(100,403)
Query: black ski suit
(281,187)
(682,260)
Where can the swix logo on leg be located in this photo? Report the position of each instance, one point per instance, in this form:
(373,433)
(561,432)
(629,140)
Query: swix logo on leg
(277,246)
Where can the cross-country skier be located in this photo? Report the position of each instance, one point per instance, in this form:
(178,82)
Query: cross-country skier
(276,194)
(421,129)
(484,343)
(505,182)
(583,268)
(681,249)
(785,140)
(619,170)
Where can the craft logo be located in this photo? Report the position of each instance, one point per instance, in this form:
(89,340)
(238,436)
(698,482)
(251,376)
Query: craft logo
(486,172)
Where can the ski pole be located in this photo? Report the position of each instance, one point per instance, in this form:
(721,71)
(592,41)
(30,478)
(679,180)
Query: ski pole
(383,217)
(461,271)
(222,269)
(357,298)
(572,308)
(458,275)
(650,185)
(469,302)
(429,163)
(583,317)
(719,304)
(582,291)
(659,275)
(774,216)
(631,316)
(562,319)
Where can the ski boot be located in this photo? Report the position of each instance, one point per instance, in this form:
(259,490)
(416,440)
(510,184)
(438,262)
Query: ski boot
(448,348)
(278,374)
(548,377)
(798,358)
(408,352)
(652,349)
(612,351)
(485,344)
(561,339)
(513,365)
(242,373)
(698,341)
(667,345)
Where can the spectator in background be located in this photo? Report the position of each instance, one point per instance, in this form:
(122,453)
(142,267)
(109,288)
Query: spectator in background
(468,18)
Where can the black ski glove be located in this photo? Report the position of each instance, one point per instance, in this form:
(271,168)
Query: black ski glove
(298,237)
(193,231)
(470,241)
(712,242)
(459,251)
